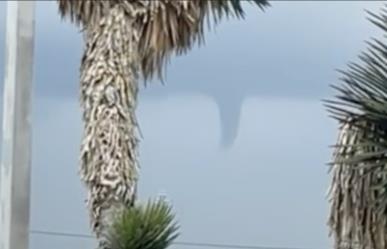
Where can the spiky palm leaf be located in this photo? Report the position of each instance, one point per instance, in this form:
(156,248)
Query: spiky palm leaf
(149,226)
(166,26)
(358,194)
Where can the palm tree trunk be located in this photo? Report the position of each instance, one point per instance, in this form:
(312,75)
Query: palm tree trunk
(354,219)
(109,87)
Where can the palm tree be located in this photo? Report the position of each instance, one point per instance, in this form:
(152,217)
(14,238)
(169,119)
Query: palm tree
(126,40)
(358,196)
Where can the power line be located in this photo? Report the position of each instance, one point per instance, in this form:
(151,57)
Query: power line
(231,246)
(60,234)
(193,244)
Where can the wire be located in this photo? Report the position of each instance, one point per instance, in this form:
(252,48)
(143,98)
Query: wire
(193,244)
(231,246)
(60,234)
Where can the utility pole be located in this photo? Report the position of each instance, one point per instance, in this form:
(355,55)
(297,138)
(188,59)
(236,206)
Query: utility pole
(16,147)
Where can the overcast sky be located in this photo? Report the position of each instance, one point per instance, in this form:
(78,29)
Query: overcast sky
(266,74)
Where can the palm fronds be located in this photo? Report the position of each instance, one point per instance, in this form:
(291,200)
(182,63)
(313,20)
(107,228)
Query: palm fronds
(166,27)
(150,226)
(358,192)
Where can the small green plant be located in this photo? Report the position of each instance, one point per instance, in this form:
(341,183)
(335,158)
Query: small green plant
(149,226)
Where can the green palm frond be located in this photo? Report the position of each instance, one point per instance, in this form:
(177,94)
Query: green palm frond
(167,26)
(149,226)
(359,185)
(362,99)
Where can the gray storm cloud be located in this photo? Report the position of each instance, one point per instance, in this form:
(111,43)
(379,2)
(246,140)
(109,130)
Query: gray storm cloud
(246,57)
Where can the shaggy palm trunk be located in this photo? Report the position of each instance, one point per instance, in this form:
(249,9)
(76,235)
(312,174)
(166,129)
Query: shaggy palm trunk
(354,219)
(109,86)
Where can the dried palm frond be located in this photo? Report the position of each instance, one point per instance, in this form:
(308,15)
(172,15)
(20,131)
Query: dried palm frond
(358,194)
(109,88)
(166,26)
(354,219)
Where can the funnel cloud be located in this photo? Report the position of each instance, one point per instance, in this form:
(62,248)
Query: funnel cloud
(230,109)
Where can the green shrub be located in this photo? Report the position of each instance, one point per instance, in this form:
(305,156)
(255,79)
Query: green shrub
(149,226)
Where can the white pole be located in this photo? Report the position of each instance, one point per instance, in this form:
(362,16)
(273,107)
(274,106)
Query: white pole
(16,147)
